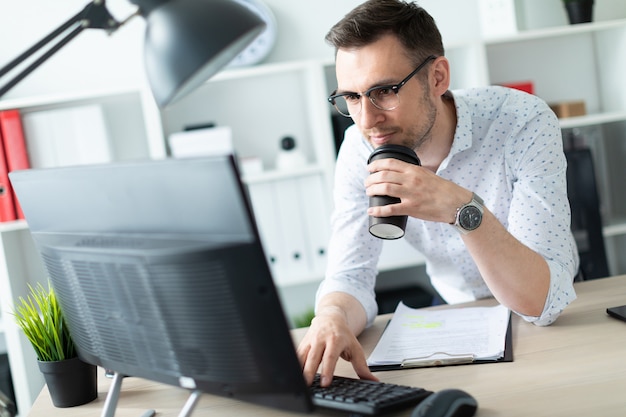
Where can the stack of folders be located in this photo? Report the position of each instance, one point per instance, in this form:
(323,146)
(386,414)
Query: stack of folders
(67,136)
(48,138)
(425,337)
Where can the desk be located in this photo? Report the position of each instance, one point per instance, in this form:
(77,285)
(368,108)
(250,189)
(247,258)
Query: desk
(576,367)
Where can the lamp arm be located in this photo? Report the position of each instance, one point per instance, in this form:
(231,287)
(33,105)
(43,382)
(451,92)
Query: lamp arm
(95,15)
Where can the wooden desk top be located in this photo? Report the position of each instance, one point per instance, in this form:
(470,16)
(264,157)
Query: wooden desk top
(575,367)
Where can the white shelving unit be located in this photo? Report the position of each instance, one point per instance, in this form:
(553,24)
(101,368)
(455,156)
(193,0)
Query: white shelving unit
(579,62)
(125,114)
(264,103)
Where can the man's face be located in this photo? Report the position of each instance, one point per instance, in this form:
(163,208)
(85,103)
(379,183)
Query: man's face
(382,63)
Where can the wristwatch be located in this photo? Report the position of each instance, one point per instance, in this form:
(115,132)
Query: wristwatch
(470,215)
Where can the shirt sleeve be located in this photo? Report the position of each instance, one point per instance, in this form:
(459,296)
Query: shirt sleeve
(353,252)
(539,214)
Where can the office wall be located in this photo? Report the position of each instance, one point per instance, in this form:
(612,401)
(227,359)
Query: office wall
(97,60)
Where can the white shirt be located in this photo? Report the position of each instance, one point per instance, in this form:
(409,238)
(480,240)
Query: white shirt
(508,149)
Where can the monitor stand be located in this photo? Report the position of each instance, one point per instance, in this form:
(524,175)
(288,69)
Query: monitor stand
(113,396)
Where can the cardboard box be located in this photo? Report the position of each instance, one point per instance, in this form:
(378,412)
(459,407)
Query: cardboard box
(568,109)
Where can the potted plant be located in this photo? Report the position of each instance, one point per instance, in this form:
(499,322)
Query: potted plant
(579,11)
(70,381)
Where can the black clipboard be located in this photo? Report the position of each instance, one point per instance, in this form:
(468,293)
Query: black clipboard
(452,360)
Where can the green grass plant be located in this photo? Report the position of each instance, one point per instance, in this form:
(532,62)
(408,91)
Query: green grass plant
(40,318)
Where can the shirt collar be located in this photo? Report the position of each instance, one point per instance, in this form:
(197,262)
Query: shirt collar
(462,132)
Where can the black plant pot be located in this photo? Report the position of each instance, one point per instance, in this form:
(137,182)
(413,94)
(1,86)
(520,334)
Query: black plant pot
(579,11)
(70,382)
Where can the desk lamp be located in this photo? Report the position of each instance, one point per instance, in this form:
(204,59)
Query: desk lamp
(186,41)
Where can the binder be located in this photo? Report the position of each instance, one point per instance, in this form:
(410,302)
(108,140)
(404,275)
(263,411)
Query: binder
(14,148)
(295,252)
(264,203)
(7,208)
(315,215)
(67,136)
(442,356)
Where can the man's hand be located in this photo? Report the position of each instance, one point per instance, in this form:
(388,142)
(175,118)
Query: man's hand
(424,195)
(329,338)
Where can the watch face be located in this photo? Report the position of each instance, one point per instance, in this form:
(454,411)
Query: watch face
(470,218)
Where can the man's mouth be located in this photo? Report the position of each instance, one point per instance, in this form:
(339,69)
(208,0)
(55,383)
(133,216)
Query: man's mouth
(380,138)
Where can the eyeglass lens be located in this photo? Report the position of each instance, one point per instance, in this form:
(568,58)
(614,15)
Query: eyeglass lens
(384,98)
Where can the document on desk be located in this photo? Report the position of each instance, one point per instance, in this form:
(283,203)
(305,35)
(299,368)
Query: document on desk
(424,337)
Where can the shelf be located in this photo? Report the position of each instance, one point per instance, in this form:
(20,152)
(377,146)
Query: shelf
(276,175)
(592,119)
(614,229)
(57,100)
(539,34)
(264,70)
(13,226)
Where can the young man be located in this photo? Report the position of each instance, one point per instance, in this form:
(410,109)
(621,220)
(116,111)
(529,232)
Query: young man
(493,151)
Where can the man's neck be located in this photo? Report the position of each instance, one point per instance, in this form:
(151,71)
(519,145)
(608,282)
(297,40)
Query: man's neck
(433,152)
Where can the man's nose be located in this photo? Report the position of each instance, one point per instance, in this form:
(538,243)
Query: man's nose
(369,115)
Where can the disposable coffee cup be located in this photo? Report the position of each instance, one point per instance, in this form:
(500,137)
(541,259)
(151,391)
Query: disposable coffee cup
(391,227)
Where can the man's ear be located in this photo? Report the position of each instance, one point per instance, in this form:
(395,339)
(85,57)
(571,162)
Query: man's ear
(440,73)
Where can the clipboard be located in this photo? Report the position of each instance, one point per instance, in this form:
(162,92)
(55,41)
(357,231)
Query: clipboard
(443,359)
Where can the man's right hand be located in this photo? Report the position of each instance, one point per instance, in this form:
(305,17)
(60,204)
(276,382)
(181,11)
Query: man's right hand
(330,337)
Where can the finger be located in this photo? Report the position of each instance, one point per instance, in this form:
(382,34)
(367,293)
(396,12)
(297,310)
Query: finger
(387,164)
(311,365)
(302,352)
(329,362)
(385,177)
(385,211)
(327,372)
(362,370)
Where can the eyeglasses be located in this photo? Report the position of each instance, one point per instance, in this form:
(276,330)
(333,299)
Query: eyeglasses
(383,97)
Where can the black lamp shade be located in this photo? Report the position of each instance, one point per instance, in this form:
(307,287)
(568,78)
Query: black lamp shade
(187,41)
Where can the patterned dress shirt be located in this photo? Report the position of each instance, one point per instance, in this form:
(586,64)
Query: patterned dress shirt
(507,148)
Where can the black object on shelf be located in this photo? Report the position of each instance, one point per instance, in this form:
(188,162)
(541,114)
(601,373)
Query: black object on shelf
(586,216)
(579,11)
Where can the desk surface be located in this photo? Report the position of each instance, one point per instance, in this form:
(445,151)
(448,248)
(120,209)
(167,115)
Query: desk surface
(576,367)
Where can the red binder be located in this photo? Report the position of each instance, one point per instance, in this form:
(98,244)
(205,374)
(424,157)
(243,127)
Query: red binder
(15,152)
(7,208)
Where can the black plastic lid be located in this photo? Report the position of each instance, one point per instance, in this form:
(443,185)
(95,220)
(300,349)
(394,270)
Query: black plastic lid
(400,152)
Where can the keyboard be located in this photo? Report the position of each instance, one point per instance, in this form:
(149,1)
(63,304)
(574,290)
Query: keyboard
(359,396)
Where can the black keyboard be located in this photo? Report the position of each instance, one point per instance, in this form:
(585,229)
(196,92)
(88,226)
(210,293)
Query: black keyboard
(364,397)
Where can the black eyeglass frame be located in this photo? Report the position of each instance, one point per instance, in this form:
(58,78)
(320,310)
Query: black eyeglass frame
(393,87)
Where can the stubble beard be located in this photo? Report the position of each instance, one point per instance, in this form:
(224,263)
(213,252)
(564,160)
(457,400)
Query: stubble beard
(417,136)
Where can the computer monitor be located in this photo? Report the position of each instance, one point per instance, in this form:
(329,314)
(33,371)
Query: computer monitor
(160,272)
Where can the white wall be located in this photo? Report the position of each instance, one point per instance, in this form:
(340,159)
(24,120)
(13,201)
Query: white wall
(91,59)
(96,60)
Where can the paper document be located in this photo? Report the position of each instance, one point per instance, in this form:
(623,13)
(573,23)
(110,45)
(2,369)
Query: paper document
(423,337)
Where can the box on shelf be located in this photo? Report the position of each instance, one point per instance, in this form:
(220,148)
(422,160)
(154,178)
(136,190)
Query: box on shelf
(203,141)
(568,108)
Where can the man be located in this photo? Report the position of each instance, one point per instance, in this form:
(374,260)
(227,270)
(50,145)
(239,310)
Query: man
(493,150)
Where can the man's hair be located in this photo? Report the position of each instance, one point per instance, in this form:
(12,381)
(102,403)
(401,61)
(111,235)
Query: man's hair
(368,22)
